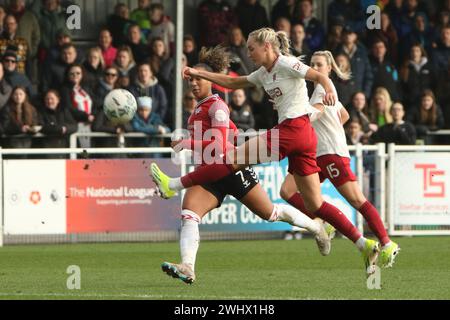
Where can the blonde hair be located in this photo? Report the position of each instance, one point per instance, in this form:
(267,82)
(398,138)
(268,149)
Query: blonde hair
(278,39)
(387,99)
(99,53)
(331,62)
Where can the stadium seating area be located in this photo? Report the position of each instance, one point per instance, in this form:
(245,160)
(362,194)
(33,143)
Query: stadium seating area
(52,87)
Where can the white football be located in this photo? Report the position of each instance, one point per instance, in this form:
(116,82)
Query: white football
(119,106)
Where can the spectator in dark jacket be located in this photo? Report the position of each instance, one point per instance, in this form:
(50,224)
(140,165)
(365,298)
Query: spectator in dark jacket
(240,111)
(118,24)
(57,122)
(93,67)
(147,86)
(19,117)
(103,124)
(190,50)
(126,65)
(299,47)
(215,18)
(251,15)
(135,41)
(417,74)
(108,82)
(361,69)
(427,116)
(384,72)
(388,34)
(441,54)
(315,33)
(13,77)
(422,33)
(54,76)
(399,131)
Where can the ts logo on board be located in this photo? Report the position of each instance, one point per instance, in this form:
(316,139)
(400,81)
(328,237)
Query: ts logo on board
(431,187)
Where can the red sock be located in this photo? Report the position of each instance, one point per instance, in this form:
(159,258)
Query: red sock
(373,219)
(297,202)
(206,174)
(336,218)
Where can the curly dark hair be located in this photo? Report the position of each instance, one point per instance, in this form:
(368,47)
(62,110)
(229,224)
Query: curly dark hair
(217,58)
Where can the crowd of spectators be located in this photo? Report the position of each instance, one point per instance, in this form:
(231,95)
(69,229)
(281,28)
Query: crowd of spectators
(399,89)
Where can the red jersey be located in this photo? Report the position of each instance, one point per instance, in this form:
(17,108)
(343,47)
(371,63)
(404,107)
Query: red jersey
(210,113)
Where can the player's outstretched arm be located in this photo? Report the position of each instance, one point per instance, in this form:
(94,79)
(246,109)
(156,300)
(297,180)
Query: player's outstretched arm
(330,98)
(219,78)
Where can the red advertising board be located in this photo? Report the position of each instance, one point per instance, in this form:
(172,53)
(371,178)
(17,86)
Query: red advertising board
(118,196)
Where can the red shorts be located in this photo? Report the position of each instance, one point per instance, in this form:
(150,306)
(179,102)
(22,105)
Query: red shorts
(336,169)
(297,140)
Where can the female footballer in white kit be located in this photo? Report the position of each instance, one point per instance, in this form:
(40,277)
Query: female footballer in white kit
(333,158)
(283,77)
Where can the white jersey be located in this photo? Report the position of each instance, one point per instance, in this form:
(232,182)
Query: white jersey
(329,130)
(286,86)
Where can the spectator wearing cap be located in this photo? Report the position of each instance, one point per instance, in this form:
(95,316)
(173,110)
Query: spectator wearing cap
(251,15)
(148,85)
(140,16)
(54,75)
(148,122)
(51,20)
(5,88)
(105,43)
(360,65)
(384,72)
(14,77)
(315,33)
(10,41)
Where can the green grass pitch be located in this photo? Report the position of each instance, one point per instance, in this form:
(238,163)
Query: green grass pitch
(274,269)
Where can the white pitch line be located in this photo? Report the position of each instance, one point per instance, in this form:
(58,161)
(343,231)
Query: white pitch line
(141,296)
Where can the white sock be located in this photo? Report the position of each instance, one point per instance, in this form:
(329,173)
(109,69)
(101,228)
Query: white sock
(386,245)
(360,243)
(189,237)
(291,215)
(175,184)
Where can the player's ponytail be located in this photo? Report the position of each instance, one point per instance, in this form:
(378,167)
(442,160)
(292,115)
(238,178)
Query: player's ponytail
(331,62)
(278,40)
(214,59)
